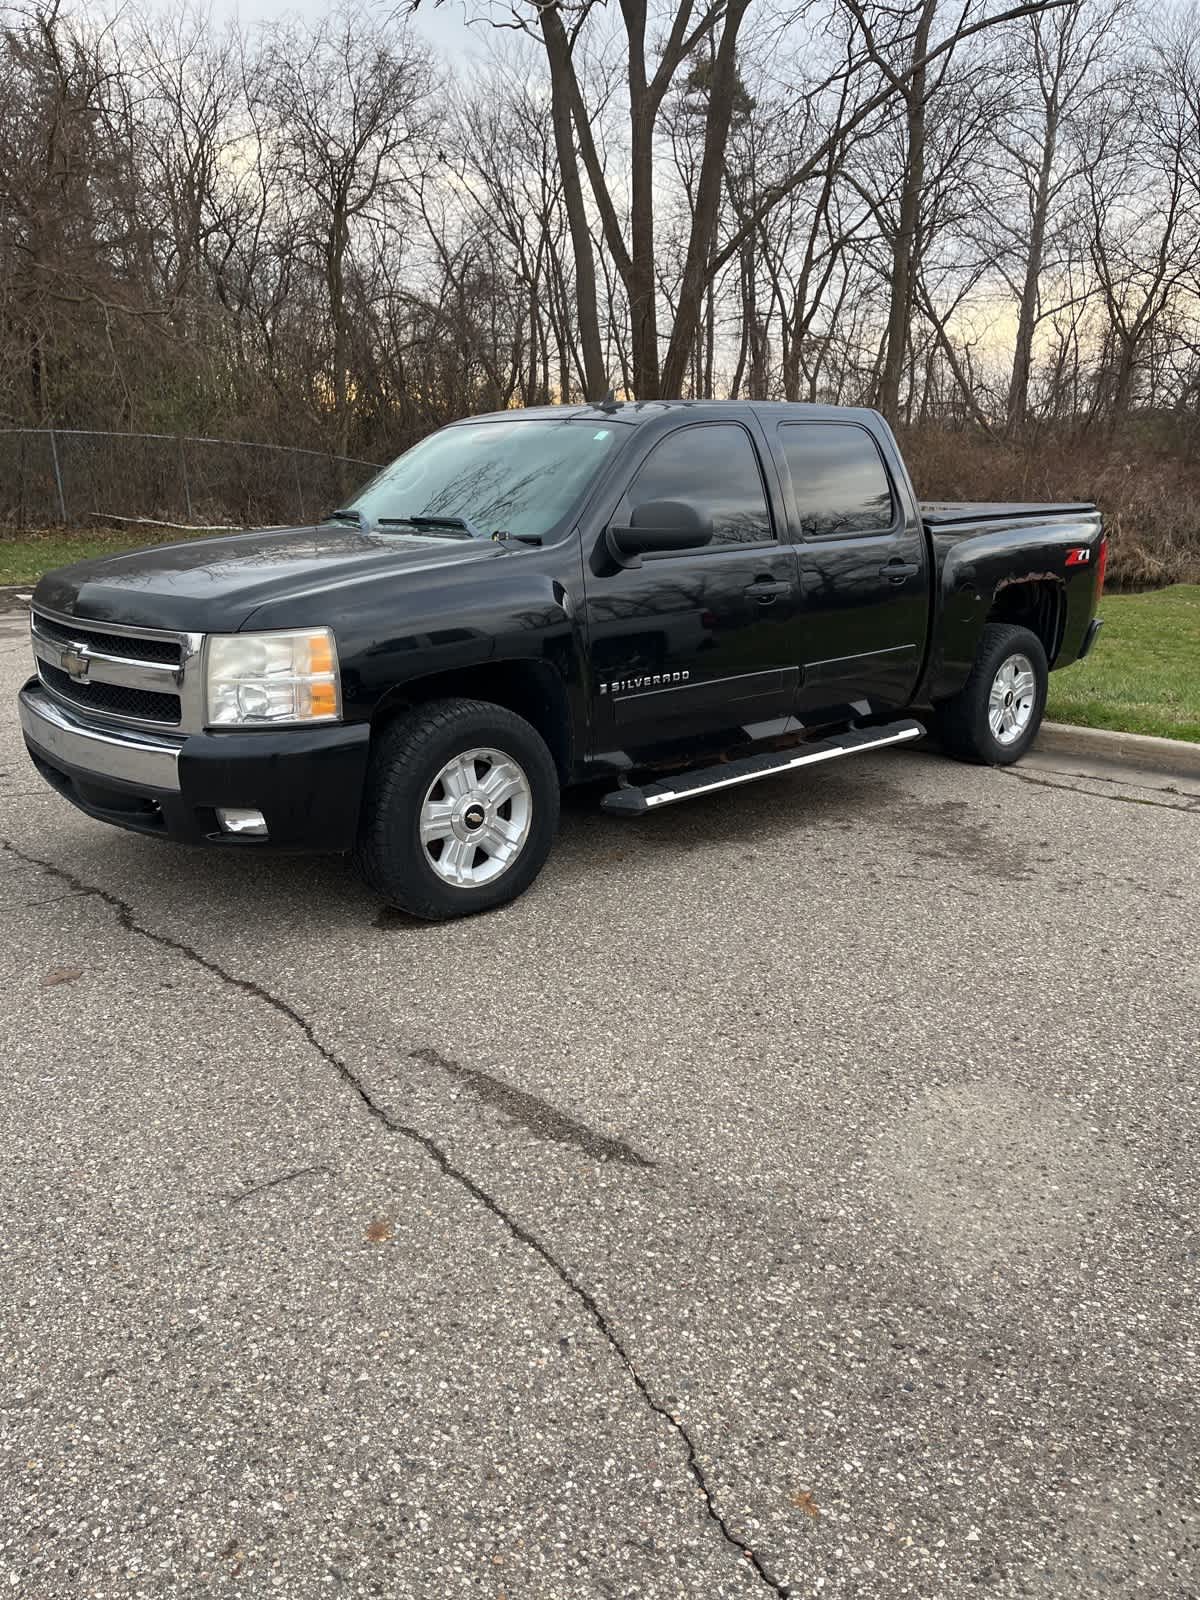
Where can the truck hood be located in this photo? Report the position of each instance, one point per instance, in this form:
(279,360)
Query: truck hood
(213,585)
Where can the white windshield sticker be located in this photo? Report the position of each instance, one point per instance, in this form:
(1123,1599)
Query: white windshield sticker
(603,434)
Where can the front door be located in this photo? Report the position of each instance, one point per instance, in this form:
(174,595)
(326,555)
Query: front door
(864,575)
(697,646)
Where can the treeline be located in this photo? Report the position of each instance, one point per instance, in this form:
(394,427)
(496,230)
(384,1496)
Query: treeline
(985,220)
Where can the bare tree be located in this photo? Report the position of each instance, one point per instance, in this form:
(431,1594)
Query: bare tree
(1058,61)
(350,110)
(1143,217)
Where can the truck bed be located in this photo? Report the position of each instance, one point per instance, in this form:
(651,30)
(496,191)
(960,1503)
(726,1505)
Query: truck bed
(948,513)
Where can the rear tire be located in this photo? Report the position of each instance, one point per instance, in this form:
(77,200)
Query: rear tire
(995,716)
(460,809)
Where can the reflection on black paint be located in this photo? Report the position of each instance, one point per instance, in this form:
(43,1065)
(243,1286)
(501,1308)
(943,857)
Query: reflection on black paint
(210,585)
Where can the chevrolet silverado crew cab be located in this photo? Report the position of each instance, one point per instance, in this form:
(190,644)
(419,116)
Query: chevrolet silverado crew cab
(674,597)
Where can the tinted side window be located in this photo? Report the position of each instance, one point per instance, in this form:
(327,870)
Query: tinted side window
(715,467)
(838,478)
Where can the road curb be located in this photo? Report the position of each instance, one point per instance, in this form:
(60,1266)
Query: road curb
(14,598)
(1173,756)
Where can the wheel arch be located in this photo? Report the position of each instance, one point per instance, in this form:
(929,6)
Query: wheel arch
(1037,602)
(531,689)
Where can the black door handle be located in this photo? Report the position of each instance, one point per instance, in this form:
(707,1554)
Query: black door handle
(764,590)
(897,571)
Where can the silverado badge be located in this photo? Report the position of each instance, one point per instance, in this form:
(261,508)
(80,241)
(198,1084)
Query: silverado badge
(647,680)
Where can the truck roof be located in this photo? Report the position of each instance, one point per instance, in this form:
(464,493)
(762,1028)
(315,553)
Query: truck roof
(633,412)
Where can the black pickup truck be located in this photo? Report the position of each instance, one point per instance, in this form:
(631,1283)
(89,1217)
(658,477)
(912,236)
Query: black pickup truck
(675,597)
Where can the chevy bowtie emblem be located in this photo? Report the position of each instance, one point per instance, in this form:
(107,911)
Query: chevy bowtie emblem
(74,661)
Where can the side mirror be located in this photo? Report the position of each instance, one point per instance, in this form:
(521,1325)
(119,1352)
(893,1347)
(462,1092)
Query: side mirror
(658,525)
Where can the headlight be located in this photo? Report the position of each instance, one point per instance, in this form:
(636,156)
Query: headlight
(263,678)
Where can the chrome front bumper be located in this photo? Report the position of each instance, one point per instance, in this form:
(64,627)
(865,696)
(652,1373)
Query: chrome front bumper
(128,755)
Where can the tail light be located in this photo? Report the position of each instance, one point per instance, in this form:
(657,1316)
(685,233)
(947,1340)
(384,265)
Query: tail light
(1101,565)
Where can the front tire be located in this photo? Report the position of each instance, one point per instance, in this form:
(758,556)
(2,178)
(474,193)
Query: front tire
(995,716)
(460,809)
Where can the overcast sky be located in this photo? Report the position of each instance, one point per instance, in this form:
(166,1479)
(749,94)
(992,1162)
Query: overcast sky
(444,26)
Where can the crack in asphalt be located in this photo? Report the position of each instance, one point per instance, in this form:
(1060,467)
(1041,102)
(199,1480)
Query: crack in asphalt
(49,900)
(1191,807)
(522,1234)
(236,1196)
(1107,777)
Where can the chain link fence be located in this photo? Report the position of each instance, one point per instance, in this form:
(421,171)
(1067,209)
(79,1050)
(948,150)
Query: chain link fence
(68,477)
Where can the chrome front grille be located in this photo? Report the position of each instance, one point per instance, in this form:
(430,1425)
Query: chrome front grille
(164,648)
(114,699)
(142,677)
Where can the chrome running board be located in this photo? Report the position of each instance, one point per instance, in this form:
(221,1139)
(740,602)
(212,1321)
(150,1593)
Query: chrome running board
(635,802)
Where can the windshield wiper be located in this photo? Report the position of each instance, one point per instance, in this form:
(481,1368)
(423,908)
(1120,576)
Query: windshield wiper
(346,514)
(461,525)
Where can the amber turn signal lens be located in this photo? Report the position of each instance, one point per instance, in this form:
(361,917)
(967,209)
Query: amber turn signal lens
(324,700)
(320,654)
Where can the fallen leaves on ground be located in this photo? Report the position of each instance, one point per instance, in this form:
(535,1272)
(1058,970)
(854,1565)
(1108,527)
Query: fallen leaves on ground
(61,975)
(381,1230)
(803,1498)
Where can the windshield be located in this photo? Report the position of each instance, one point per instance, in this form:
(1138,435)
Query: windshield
(523,477)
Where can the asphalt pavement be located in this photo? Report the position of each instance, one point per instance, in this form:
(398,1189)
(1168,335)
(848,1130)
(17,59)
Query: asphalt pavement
(794,1193)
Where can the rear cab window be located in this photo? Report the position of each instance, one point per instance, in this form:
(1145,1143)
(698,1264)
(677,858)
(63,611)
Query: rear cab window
(840,484)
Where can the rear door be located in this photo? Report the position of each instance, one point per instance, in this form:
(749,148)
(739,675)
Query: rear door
(696,642)
(864,589)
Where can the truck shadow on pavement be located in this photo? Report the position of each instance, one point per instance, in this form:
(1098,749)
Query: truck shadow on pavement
(841,810)
(852,807)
